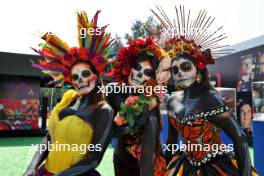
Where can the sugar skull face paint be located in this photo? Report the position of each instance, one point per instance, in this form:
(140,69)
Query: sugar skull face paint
(184,72)
(140,73)
(83,79)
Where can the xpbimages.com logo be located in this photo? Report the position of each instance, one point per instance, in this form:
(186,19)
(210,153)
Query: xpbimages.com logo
(123,88)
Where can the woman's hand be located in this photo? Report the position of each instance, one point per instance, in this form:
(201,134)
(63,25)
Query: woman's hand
(154,103)
(31,172)
(38,158)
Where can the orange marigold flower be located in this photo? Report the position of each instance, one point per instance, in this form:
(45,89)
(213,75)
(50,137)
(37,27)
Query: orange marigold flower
(120,120)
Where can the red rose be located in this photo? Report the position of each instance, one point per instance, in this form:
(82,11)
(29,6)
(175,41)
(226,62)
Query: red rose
(200,65)
(131,100)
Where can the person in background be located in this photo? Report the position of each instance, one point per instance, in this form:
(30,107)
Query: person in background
(245,117)
(260,72)
(2,112)
(246,74)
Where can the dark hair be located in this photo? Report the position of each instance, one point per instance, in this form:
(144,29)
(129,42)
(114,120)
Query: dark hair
(245,102)
(92,67)
(152,59)
(205,82)
(154,63)
(98,97)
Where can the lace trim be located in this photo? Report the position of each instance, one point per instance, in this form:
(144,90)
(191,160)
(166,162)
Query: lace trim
(198,116)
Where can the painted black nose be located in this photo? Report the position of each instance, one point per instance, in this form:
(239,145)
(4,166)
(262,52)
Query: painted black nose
(180,73)
(80,80)
(139,75)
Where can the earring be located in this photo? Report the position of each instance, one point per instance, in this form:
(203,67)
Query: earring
(199,78)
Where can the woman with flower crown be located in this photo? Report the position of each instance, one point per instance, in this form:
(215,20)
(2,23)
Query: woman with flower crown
(82,121)
(196,112)
(137,120)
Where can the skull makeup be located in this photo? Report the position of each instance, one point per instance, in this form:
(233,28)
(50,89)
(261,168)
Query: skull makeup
(83,79)
(140,73)
(183,72)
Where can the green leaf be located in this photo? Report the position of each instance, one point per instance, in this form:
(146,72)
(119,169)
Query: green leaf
(123,107)
(130,119)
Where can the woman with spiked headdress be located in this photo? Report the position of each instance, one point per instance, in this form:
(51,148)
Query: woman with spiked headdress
(80,124)
(196,111)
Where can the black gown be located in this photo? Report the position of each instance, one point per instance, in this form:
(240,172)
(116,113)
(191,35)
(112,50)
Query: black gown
(198,122)
(126,161)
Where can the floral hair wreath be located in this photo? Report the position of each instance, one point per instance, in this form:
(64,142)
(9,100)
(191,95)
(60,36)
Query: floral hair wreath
(127,56)
(190,35)
(58,57)
(179,46)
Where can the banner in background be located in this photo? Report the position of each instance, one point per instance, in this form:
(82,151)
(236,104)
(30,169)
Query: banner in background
(19,103)
(238,71)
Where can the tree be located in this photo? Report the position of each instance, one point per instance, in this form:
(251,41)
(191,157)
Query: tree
(117,45)
(144,29)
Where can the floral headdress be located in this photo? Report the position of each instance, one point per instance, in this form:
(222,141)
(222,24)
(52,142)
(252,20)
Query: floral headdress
(191,36)
(127,56)
(58,57)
